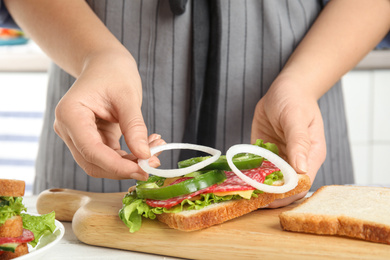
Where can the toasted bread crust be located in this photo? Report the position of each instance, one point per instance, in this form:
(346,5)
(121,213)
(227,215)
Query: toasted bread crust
(13,227)
(334,224)
(22,249)
(12,188)
(217,214)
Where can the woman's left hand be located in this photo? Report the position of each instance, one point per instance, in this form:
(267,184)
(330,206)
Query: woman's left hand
(292,120)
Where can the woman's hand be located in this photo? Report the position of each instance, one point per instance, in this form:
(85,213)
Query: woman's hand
(288,114)
(104,103)
(291,118)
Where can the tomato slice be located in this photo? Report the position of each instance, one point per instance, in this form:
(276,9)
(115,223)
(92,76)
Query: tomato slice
(27,236)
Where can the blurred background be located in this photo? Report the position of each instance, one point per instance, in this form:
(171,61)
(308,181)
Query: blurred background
(23,85)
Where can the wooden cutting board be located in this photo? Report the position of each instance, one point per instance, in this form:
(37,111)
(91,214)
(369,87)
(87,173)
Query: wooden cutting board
(256,235)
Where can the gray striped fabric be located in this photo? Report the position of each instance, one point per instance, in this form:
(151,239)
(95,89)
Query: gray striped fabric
(257,39)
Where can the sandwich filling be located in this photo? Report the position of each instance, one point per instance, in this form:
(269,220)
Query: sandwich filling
(10,207)
(232,185)
(214,184)
(34,227)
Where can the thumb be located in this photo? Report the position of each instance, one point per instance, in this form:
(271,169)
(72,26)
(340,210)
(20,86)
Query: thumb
(134,130)
(298,144)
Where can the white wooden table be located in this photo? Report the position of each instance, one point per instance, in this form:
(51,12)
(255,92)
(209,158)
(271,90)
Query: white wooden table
(71,248)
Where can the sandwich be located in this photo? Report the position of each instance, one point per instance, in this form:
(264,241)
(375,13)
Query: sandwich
(17,229)
(343,210)
(233,185)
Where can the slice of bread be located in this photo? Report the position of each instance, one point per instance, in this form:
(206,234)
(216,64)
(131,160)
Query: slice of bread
(192,220)
(12,227)
(352,211)
(12,188)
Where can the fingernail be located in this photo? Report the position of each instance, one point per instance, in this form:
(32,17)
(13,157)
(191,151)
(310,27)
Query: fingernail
(155,137)
(144,178)
(161,142)
(139,176)
(301,163)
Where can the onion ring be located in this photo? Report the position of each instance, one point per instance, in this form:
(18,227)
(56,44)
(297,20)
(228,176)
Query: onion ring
(289,174)
(144,163)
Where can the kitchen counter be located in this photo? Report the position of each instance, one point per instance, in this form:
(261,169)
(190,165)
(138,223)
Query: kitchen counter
(27,58)
(71,248)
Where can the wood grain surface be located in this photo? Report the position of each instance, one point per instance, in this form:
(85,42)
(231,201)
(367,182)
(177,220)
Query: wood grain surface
(257,235)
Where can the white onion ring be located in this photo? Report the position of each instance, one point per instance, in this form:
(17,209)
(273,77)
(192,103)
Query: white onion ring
(289,174)
(144,164)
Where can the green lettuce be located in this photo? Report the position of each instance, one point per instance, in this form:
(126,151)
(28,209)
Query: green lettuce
(134,208)
(10,207)
(39,225)
(275,176)
(269,146)
(153,179)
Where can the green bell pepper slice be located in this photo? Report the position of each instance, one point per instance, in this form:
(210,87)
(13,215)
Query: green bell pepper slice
(199,182)
(242,161)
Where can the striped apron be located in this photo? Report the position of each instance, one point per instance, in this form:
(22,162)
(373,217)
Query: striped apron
(204,66)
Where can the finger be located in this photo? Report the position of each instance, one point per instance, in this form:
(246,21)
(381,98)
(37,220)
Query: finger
(297,140)
(133,171)
(157,142)
(153,137)
(109,132)
(154,140)
(85,143)
(121,152)
(153,161)
(134,129)
(317,153)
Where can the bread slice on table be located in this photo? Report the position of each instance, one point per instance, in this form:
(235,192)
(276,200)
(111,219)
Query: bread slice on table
(191,220)
(352,211)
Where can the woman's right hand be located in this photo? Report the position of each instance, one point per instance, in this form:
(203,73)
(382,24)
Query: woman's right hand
(105,100)
(104,103)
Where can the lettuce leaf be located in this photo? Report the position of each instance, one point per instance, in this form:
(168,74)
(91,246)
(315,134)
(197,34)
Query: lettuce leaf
(134,208)
(269,146)
(271,178)
(153,179)
(39,225)
(10,207)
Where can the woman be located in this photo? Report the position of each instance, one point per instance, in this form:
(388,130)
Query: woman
(213,72)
